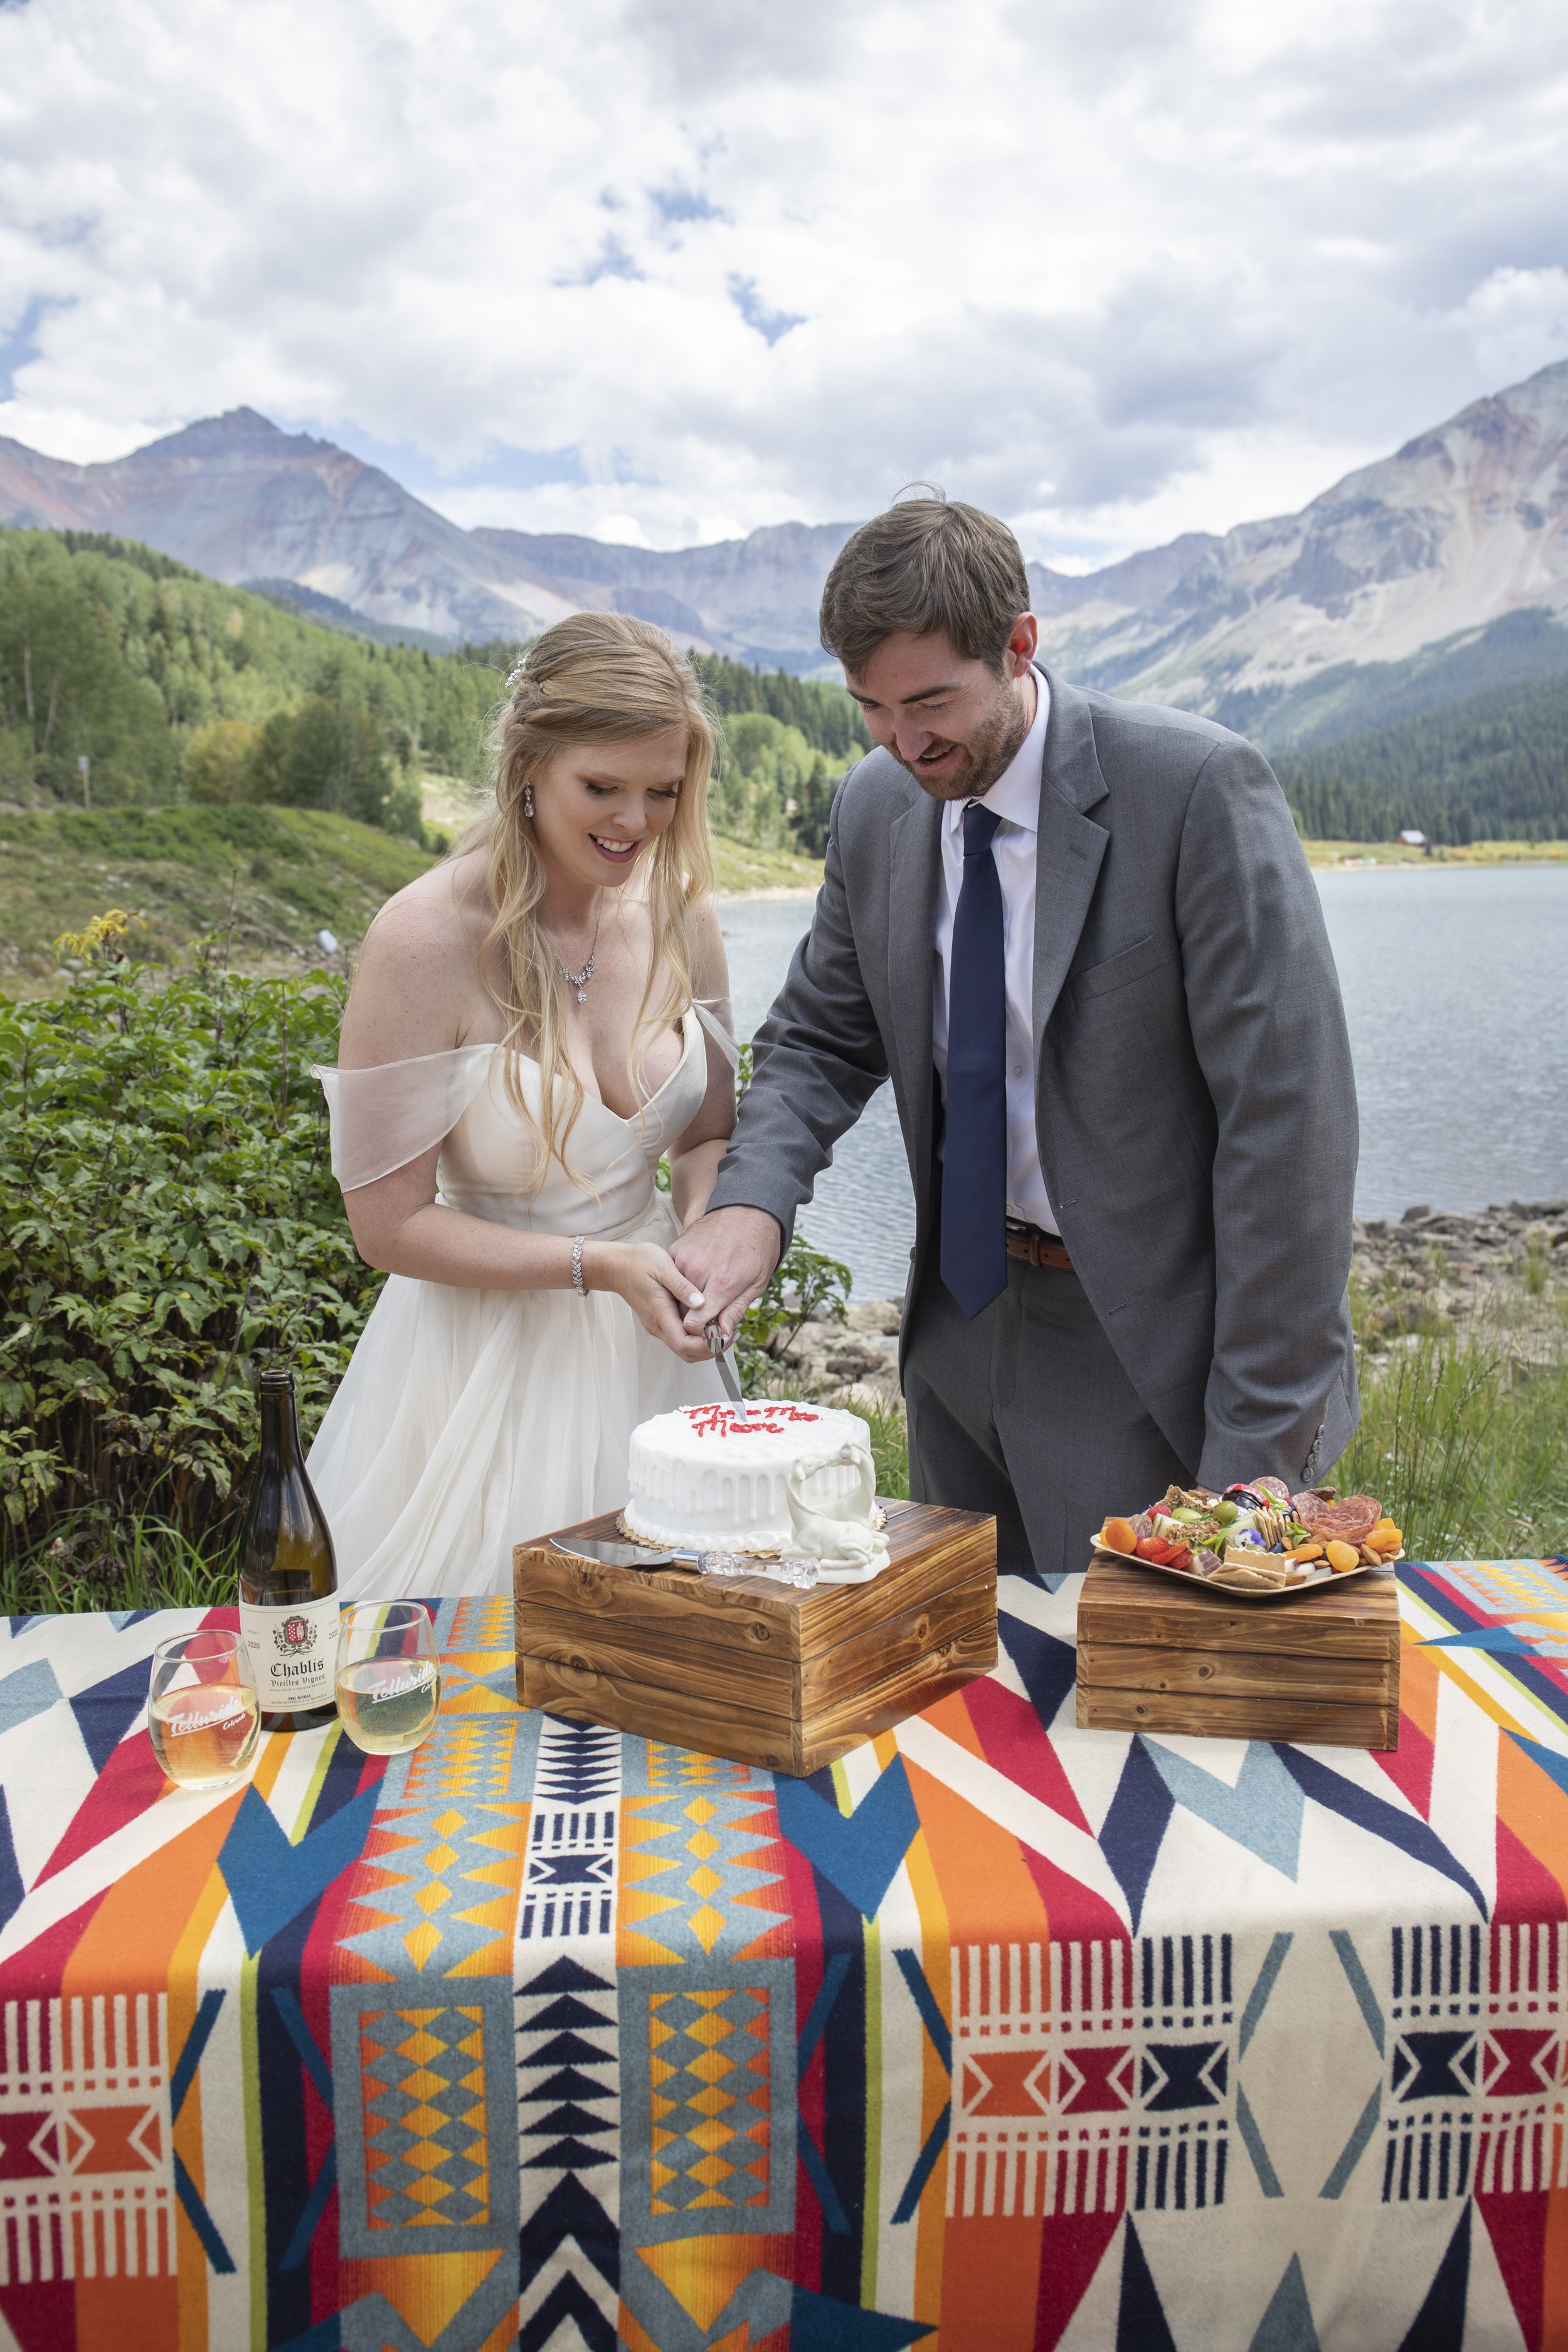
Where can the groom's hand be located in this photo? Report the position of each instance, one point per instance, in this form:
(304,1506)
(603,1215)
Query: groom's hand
(729,1254)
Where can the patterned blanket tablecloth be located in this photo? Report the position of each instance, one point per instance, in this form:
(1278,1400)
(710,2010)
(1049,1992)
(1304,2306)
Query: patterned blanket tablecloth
(999,2035)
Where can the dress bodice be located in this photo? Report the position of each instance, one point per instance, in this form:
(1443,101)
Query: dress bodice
(489,1161)
(384,1116)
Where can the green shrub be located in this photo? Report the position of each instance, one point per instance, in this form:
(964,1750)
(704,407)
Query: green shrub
(167,1214)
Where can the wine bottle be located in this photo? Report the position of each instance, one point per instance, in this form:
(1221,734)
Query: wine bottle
(287,1576)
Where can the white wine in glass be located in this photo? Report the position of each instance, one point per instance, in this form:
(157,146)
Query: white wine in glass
(389,1680)
(202,1712)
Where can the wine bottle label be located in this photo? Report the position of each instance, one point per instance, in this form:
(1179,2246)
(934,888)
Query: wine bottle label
(293,1653)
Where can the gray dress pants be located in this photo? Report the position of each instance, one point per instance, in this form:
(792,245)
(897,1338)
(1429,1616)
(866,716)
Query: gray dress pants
(1026,1413)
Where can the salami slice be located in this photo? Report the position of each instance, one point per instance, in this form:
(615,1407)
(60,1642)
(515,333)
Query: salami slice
(1351,1520)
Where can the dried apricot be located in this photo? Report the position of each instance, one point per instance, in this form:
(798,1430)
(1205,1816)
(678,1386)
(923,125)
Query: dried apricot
(1308,1551)
(1117,1535)
(1342,1557)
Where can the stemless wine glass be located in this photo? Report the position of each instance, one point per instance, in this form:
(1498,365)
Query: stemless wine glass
(389,1681)
(202,1710)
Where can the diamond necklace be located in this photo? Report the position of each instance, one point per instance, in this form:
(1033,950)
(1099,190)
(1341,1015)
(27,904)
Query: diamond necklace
(579,979)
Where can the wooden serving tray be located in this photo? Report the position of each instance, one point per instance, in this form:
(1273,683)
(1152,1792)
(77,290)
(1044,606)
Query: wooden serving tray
(746,1667)
(1182,1656)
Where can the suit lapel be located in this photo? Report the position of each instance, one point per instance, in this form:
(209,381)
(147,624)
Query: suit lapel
(913,870)
(1069,848)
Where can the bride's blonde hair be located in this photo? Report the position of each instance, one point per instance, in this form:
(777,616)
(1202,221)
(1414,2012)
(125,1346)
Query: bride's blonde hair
(597,678)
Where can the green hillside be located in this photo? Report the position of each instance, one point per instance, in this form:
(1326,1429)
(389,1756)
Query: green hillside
(291,873)
(1491,767)
(175,687)
(179,690)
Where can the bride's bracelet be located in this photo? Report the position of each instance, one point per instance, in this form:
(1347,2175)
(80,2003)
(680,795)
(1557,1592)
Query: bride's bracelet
(578,1285)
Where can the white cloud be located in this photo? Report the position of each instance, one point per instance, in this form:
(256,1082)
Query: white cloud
(672,269)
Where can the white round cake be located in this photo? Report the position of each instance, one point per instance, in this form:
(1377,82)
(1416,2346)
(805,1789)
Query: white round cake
(703,1479)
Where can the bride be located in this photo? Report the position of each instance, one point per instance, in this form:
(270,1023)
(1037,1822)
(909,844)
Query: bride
(529,1032)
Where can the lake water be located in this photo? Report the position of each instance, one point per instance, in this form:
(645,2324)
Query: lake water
(1455,988)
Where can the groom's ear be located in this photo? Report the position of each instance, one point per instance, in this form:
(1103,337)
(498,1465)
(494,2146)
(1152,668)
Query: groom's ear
(1023,643)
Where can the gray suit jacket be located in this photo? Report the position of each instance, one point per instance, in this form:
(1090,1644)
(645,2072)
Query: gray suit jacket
(1194,1101)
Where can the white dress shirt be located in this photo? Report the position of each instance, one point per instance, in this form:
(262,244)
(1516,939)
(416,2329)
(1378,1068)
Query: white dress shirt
(1015,798)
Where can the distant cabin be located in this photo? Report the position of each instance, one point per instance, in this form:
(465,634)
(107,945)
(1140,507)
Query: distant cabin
(1411,840)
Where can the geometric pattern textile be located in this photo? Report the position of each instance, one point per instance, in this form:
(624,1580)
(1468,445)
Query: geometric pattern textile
(1112,2088)
(996,2034)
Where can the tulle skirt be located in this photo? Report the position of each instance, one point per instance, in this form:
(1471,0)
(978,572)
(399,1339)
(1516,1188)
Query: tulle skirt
(469,1420)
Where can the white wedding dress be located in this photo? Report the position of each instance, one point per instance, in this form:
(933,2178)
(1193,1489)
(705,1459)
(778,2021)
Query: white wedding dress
(468,1420)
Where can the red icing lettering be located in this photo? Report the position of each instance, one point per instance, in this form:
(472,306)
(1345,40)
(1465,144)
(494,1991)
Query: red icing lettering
(762,1421)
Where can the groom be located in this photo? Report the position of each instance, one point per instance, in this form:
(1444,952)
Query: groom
(1081,939)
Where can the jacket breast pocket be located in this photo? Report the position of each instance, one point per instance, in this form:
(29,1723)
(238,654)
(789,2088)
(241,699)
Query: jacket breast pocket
(1119,971)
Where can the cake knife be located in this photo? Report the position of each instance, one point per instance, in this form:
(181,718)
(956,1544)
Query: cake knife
(725,1361)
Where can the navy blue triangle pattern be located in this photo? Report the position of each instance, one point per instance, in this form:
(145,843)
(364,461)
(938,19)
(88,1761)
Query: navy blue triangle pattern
(1410,1835)
(1141,2323)
(11,1887)
(1133,1830)
(569,2121)
(1047,1668)
(819,2323)
(106,1711)
(1439,2324)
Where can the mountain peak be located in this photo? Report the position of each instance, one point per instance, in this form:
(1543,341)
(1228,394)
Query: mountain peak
(235,429)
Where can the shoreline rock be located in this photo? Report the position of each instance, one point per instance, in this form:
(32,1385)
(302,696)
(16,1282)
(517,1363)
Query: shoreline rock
(1427,1271)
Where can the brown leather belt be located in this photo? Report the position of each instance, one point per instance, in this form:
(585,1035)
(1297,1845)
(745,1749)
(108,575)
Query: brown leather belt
(1036,1248)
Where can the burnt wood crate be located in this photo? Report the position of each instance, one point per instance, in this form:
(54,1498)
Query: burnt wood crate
(755,1670)
(1156,1655)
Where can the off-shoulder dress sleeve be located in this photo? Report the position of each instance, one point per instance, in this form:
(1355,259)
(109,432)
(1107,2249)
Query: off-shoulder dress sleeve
(719,1020)
(386,1116)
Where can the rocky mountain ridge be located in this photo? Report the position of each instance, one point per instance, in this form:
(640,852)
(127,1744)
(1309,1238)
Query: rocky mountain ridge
(240,501)
(1430,574)
(1436,547)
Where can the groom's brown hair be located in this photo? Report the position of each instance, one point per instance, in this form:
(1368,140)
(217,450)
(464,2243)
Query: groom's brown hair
(927,565)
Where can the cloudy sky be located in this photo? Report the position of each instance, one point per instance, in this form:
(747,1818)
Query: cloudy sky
(667,269)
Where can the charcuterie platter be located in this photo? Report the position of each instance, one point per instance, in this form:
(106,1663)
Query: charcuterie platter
(1312,1582)
(1255,1541)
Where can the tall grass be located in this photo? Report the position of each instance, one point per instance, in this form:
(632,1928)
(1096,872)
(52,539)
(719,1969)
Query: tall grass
(1466,1442)
(135,1560)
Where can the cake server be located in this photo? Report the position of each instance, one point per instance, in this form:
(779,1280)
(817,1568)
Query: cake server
(720,1564)
(725,1361)
(626,1555)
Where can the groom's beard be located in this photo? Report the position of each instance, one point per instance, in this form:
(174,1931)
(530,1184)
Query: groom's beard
(989,752)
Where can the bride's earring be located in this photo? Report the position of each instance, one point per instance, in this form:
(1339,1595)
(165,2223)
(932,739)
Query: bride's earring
(527,802)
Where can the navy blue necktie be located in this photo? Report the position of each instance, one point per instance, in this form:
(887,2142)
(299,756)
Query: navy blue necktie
(975,1148)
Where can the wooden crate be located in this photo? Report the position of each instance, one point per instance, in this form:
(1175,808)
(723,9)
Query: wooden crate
(1156,1655)
(754,1670)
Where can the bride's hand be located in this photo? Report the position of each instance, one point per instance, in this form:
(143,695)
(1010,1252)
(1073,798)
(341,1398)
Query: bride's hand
(653,1286)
